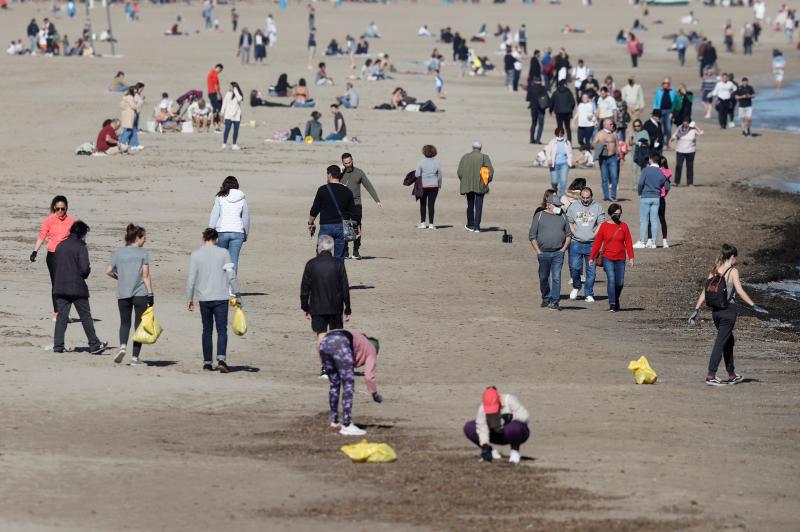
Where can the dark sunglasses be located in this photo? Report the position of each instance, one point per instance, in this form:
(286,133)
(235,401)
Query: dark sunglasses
(60,209)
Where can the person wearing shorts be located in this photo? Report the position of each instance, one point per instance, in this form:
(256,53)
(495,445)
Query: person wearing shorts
(744,97)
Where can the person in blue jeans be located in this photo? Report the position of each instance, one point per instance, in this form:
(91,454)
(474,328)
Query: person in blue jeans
(665,96)
(550,236)
(605,145)
(613,244)
(559,158)
(585,217)
(333,203)
(213,280)
(230,216)
(651,182)
(339,127)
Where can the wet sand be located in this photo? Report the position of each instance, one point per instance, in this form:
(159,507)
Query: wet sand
(88,445)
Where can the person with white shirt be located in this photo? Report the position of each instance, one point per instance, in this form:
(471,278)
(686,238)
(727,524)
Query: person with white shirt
(723,92)
(605,105)
(166,102)
(232,114)
(633,96)
(586,117)
(760,10)
(579,73)
(200,113)
(230,216)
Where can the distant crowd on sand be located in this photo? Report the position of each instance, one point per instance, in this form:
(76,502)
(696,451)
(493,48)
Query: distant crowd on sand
(614,125)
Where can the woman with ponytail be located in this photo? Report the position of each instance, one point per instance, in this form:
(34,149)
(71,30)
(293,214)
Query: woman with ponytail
(54,230)
(230,216)
(130,266)
(724,313)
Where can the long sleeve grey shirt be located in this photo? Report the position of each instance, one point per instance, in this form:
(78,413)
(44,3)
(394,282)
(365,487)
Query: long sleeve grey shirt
(211,275)
(550,231)
(430,171)
(585,220)
(353,180)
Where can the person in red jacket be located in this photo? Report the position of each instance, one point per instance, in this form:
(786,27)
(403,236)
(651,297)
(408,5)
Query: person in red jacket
(215,92)
(54,230)
(613,244)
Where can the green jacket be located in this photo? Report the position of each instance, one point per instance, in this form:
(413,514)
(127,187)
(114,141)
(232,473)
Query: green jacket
(469,172)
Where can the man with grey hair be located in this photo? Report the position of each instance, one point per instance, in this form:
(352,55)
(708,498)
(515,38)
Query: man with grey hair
(475,171)
(325,291)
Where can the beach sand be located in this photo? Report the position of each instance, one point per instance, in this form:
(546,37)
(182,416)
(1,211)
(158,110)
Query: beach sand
(89,445)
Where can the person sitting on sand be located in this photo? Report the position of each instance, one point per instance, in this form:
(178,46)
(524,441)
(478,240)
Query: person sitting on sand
(372,31)
(200,114)
(282,87)
(167,118)
(362,48)
(301,95)
(314,127)
(333,48)
(322,76)
(423,31)
(339,127)
(349,100)
(501,420)
(107,139)
(118,85)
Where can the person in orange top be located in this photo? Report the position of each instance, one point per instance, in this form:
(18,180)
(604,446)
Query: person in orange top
(55,229)
(614,237)
(215,92)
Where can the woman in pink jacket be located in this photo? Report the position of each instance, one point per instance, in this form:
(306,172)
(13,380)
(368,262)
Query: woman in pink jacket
(55,229)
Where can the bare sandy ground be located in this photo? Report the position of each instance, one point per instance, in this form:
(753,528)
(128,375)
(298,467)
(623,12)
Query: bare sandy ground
(87,445)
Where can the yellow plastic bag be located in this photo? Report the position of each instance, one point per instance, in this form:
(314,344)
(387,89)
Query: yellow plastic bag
(642,371)
(149,329)
(239,323)
(485,175)
(365,451)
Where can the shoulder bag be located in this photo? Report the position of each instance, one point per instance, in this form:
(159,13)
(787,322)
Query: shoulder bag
(599,260)
(348,226)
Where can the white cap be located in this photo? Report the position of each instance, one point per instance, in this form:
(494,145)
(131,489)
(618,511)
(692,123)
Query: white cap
(477,145)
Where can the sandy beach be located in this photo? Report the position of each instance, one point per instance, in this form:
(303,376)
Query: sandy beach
(89,445)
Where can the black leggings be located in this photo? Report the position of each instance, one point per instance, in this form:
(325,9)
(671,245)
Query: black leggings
(564,120)
(138,304)
(428,198)
(662,220)
(51,267)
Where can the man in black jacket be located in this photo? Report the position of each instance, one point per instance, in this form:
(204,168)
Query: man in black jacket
(333,203)
(69,288)
(325,291)
(653,129)
(536,67)
(562,103)
(538,103)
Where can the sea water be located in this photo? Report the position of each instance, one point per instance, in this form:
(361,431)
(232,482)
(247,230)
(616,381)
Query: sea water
(777,112)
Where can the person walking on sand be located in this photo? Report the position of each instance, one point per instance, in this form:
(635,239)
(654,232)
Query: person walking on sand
(230,216)
(215,93)
(54,230)
(334,203)
(538,103)
(612,244)
(685,138)
(723,92)
(562,104)
(245,43)
(130,266)
(232,114)
(635,49)
(605,146)
(212,279)
(325,291)
(341,352)
(654,131)
(651,182)
(744,97)
(501,420)
(475,172)
(778,69)
(430,172)
(721,289)
(70,288)
(558,153)
(550,236)
(585,218)
(664,101)
(353,178)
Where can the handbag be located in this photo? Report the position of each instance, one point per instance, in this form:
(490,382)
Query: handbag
(599,260)
(348,226)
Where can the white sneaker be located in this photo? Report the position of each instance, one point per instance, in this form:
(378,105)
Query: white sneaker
(120,355)
(664,243)
(589,299)
(235,147)
(431,226)
(335,426)
(650,244)
(638,245)
(514,457)
(496,454)
(351,430)
(573,294)
(422,225)
(135,361)
(224,146)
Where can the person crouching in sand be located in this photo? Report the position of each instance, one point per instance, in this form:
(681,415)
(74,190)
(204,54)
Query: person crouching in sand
(501,420)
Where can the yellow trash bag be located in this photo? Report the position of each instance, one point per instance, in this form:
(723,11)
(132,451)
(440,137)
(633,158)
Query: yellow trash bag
(239,323)
(642,371)
(365,451)
(149,329)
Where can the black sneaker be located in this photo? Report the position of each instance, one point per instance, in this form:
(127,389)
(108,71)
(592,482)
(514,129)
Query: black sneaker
(714,381)
(222,367)
(544,304)
(207,367)
(99,349)
(357,256)
(322,374)
(612,309)
(554,306)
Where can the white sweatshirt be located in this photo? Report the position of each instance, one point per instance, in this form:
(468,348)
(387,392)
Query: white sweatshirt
(230,213)
(231,106)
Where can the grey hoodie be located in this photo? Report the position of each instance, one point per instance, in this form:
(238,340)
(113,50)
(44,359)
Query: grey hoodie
(585,220)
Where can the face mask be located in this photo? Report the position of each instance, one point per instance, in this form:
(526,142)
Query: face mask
(615,218)
(556,210)
(586,202)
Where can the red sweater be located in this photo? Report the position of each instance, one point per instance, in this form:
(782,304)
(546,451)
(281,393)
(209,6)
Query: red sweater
(614,248)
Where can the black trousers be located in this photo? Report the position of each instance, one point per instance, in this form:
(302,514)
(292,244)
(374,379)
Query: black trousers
(724,321)
(428,200)
(51,267)
(84,312)
(634,60)
(137,305)
(679,159)
(537,124)
(724,110)
(474,210)
(563,120)
(662,220)
(356,215)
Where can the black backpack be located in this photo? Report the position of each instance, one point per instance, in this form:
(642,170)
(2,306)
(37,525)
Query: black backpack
(641,155)
(717,292)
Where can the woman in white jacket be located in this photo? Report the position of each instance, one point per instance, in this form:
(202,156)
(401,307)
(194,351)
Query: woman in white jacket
(231,218)
(232,114)
(559,158)
(501,420)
